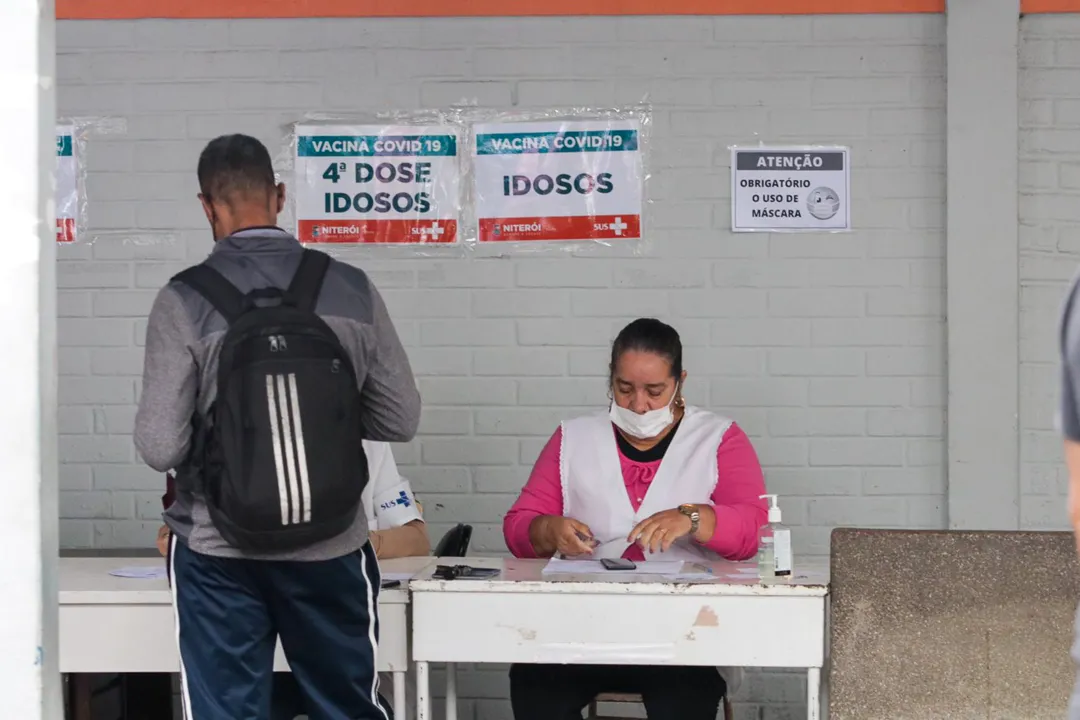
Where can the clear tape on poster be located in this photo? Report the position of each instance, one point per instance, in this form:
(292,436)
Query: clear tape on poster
(385,184)
(142,244)
(790,188)
(70,198)
(569,180)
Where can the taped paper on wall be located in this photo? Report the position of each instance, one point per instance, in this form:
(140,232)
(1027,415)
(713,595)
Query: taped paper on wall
(558,180)
(69,195)
(377,184)
(68,203)
(790,189)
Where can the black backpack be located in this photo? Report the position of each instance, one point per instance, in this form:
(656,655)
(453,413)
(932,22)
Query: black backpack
(278,457)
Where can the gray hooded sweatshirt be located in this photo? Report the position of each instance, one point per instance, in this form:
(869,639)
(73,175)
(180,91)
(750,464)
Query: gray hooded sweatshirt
(183,339)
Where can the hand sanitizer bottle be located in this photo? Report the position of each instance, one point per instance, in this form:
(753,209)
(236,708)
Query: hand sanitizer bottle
(774,544)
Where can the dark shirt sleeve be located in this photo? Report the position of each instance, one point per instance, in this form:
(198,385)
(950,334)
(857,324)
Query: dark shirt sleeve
(1068,412)
(391,401)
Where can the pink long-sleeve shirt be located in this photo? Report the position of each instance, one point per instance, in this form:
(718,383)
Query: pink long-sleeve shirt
(740,511)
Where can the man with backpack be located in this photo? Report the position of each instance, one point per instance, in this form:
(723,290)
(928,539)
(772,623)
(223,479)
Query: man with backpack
(266,365)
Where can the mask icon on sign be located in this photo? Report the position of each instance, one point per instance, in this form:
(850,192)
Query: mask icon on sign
(823,203)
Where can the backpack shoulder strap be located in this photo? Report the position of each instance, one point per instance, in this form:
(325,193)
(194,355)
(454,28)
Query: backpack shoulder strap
(303,292)
(218,291)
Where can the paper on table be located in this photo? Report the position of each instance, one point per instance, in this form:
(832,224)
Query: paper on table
(741,572)
(695,571)
(558,566)
(140,572)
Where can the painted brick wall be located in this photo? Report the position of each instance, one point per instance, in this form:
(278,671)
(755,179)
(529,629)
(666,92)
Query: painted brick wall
(1049,249)
(828,349)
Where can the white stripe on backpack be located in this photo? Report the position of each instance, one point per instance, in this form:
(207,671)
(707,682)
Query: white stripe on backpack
(290,457)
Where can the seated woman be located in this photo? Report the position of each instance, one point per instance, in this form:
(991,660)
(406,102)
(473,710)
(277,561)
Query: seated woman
(397,529)
(652,478)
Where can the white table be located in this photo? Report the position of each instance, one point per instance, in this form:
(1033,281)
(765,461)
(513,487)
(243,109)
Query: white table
(111,624)
(521,618)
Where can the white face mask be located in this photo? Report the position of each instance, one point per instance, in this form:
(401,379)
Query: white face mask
(646,425)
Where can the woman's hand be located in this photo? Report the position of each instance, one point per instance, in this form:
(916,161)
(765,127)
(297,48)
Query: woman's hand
(658,532)
(551,534)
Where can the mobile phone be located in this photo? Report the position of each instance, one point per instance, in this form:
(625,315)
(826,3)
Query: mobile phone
(389,584)
(617,564)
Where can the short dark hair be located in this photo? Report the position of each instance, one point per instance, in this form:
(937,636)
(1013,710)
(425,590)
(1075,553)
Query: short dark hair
(648,335)
(235,165)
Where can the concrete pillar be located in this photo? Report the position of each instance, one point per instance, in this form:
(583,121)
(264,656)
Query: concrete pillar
(29,674)
(982,257)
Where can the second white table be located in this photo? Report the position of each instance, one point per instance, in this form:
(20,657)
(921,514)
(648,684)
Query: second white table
(520,617)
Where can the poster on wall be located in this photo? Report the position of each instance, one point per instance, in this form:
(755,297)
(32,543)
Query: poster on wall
(558,180)
(67,184)
(377,184)
(790,189)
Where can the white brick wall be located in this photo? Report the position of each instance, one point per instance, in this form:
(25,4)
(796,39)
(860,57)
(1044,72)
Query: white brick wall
(1049,249)
(828,349)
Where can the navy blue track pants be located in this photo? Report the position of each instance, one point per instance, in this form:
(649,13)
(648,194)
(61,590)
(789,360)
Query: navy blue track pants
(230,613)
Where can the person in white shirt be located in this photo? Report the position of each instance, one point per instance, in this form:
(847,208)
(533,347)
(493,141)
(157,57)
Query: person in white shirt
(397,529)
(394,517)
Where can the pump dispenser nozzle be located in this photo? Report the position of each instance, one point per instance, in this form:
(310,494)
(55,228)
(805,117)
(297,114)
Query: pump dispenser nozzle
(774,507)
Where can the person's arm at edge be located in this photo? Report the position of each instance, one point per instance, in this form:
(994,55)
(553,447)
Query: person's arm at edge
(541,497)
(408,540)
(396,538)
(1069,417)
(737,511)
(390,399)
(170,384)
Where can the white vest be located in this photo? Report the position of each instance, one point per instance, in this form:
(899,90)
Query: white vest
(594,491)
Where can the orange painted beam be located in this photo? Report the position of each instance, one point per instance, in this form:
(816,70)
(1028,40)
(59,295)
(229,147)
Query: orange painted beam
(1049,6)
(133,9)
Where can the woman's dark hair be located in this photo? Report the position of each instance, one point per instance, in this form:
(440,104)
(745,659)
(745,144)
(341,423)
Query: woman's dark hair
(648,335)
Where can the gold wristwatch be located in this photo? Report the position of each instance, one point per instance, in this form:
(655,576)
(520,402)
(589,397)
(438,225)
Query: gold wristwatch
(694,514)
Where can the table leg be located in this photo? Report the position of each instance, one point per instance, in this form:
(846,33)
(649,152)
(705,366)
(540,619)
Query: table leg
(423,691)
(400,693)
(80,691)
(451,692)
(813,694)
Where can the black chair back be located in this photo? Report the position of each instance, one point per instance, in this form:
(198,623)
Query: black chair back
(455,543)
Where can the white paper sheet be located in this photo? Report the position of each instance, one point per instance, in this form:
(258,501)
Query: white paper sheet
(140,572)
(665,568)
(695,571)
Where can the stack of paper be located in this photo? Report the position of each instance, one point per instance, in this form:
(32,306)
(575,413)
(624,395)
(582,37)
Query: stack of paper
(668,569)
(140,572)
(397,576)
(695,571)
